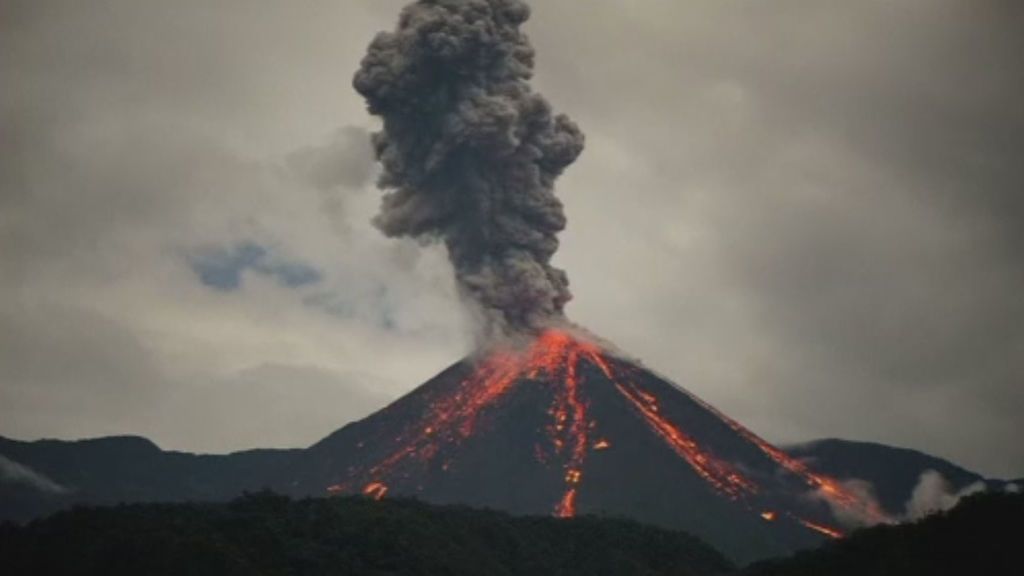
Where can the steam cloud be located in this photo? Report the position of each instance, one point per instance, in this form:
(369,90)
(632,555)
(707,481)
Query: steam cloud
(934,493)
(470,154)
(15,473)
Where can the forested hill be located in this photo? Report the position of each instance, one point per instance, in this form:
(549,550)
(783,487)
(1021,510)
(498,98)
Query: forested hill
(981,536)
(266,534)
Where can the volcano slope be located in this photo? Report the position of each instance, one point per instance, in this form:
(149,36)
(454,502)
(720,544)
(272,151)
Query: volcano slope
(561,426)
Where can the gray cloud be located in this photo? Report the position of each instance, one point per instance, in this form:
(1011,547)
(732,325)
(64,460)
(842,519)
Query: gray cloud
(275,408)
(807,214)
(139,136)
(470,153)
(345,161)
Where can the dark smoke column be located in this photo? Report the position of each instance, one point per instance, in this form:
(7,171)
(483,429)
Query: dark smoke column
(470,153)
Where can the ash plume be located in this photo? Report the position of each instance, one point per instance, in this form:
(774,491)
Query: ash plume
(470,153)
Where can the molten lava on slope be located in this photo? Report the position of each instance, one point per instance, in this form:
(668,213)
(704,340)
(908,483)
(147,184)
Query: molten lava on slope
(565,422)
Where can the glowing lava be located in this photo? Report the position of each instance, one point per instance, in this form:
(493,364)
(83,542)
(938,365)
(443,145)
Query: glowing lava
(375,490)
(828,488)
(556,359)
(557,355)
(821,529)
(453,418)
(718,473)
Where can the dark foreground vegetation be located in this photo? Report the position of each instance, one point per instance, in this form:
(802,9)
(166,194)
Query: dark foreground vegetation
(266,534)
(981,536)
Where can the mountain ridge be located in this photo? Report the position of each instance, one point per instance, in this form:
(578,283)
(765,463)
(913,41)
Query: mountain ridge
(558,427)
(22,503)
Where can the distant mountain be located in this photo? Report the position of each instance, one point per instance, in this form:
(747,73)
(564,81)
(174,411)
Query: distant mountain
(979,536)
(43,476)
(269,535)
(37,478)
(892,472)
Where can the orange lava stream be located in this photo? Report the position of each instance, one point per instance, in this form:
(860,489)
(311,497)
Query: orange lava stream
(821,529)
(716,472)
(555,356)
(829,488)
(450,419)
(567,505)
(557,351)
(375,490)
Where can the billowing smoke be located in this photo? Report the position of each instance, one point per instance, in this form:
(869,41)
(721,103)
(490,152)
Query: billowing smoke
(852,517)
(934,493)
(470,153)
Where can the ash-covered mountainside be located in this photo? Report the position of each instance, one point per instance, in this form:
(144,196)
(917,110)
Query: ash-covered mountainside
(562,427)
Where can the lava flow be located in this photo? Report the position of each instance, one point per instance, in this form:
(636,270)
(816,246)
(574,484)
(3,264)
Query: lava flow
(556,359)
(716,472)
(821,529)
(561,354)
(554,356)
(449,419)
(828,488)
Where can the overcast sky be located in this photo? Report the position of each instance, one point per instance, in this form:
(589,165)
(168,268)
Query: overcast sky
(808,213)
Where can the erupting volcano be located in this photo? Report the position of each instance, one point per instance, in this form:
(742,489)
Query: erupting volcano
(544,418)
(562,426)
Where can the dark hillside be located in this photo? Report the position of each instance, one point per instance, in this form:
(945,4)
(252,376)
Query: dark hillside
(981,536)
(266,534)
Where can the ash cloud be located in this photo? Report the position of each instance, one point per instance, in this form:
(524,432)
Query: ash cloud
(470,153)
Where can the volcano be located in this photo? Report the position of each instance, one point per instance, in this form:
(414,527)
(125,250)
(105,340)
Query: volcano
(554,423)
(560,425)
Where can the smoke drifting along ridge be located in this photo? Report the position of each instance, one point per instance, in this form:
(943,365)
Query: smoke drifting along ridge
(12,472)
(934,493)
(470,153)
